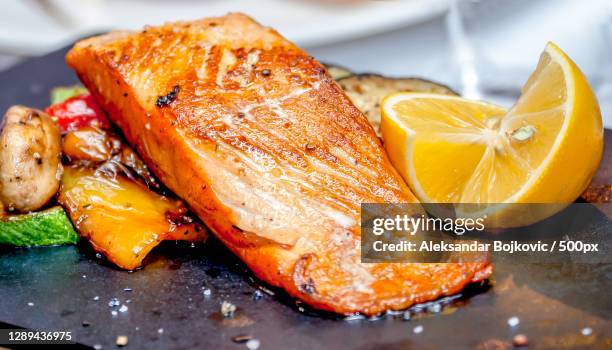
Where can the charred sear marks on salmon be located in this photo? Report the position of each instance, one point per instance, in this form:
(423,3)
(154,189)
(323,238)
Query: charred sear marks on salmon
(165,100)
(301,277)
(308,287)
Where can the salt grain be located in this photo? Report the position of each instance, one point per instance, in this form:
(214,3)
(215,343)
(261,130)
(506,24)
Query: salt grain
(97,346)
(206,292)
(96,298)
(228,309)
(160,331)
(257,295)
(114,313)
(123,308)
(418,329)
(513,321)
(122,340)
(253,344)
(114,302)
(30,304)
(586,331)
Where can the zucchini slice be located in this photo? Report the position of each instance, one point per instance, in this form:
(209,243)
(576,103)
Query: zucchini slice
(42,228)
(62,93)
(367,91)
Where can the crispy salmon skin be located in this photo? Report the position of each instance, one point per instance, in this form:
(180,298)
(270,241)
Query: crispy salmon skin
(267,150)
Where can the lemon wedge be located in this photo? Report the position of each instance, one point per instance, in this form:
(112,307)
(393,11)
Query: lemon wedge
(545,149)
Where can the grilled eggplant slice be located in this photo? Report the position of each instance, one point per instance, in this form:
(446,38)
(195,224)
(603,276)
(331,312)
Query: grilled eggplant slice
(367,91)
(338,72)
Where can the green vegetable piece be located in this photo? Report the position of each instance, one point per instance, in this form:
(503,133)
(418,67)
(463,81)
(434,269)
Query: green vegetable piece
(62,93)
(47,227)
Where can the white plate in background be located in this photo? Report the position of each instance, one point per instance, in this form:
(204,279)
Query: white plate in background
(33,27)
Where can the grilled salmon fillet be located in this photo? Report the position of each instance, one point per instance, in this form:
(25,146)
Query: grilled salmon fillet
(267,150)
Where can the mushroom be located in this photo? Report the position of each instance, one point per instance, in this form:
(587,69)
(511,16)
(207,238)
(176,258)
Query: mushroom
(30,159)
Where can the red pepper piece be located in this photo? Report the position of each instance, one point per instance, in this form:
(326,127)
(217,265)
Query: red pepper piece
(77,112)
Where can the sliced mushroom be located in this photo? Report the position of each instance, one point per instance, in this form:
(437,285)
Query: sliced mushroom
(30,164)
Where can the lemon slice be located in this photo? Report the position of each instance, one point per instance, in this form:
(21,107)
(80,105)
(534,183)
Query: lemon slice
(545,149)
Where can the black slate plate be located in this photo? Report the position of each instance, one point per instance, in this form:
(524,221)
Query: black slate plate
(553,302)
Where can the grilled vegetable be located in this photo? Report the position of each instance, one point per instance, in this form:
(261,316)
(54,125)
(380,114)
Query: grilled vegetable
(122,218)
(93,145)
(48,227)
(367,91)
(337,72)
(62,93)
(30,165)
(77,112)
(90,144)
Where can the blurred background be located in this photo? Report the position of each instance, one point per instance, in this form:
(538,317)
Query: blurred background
(482,48)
